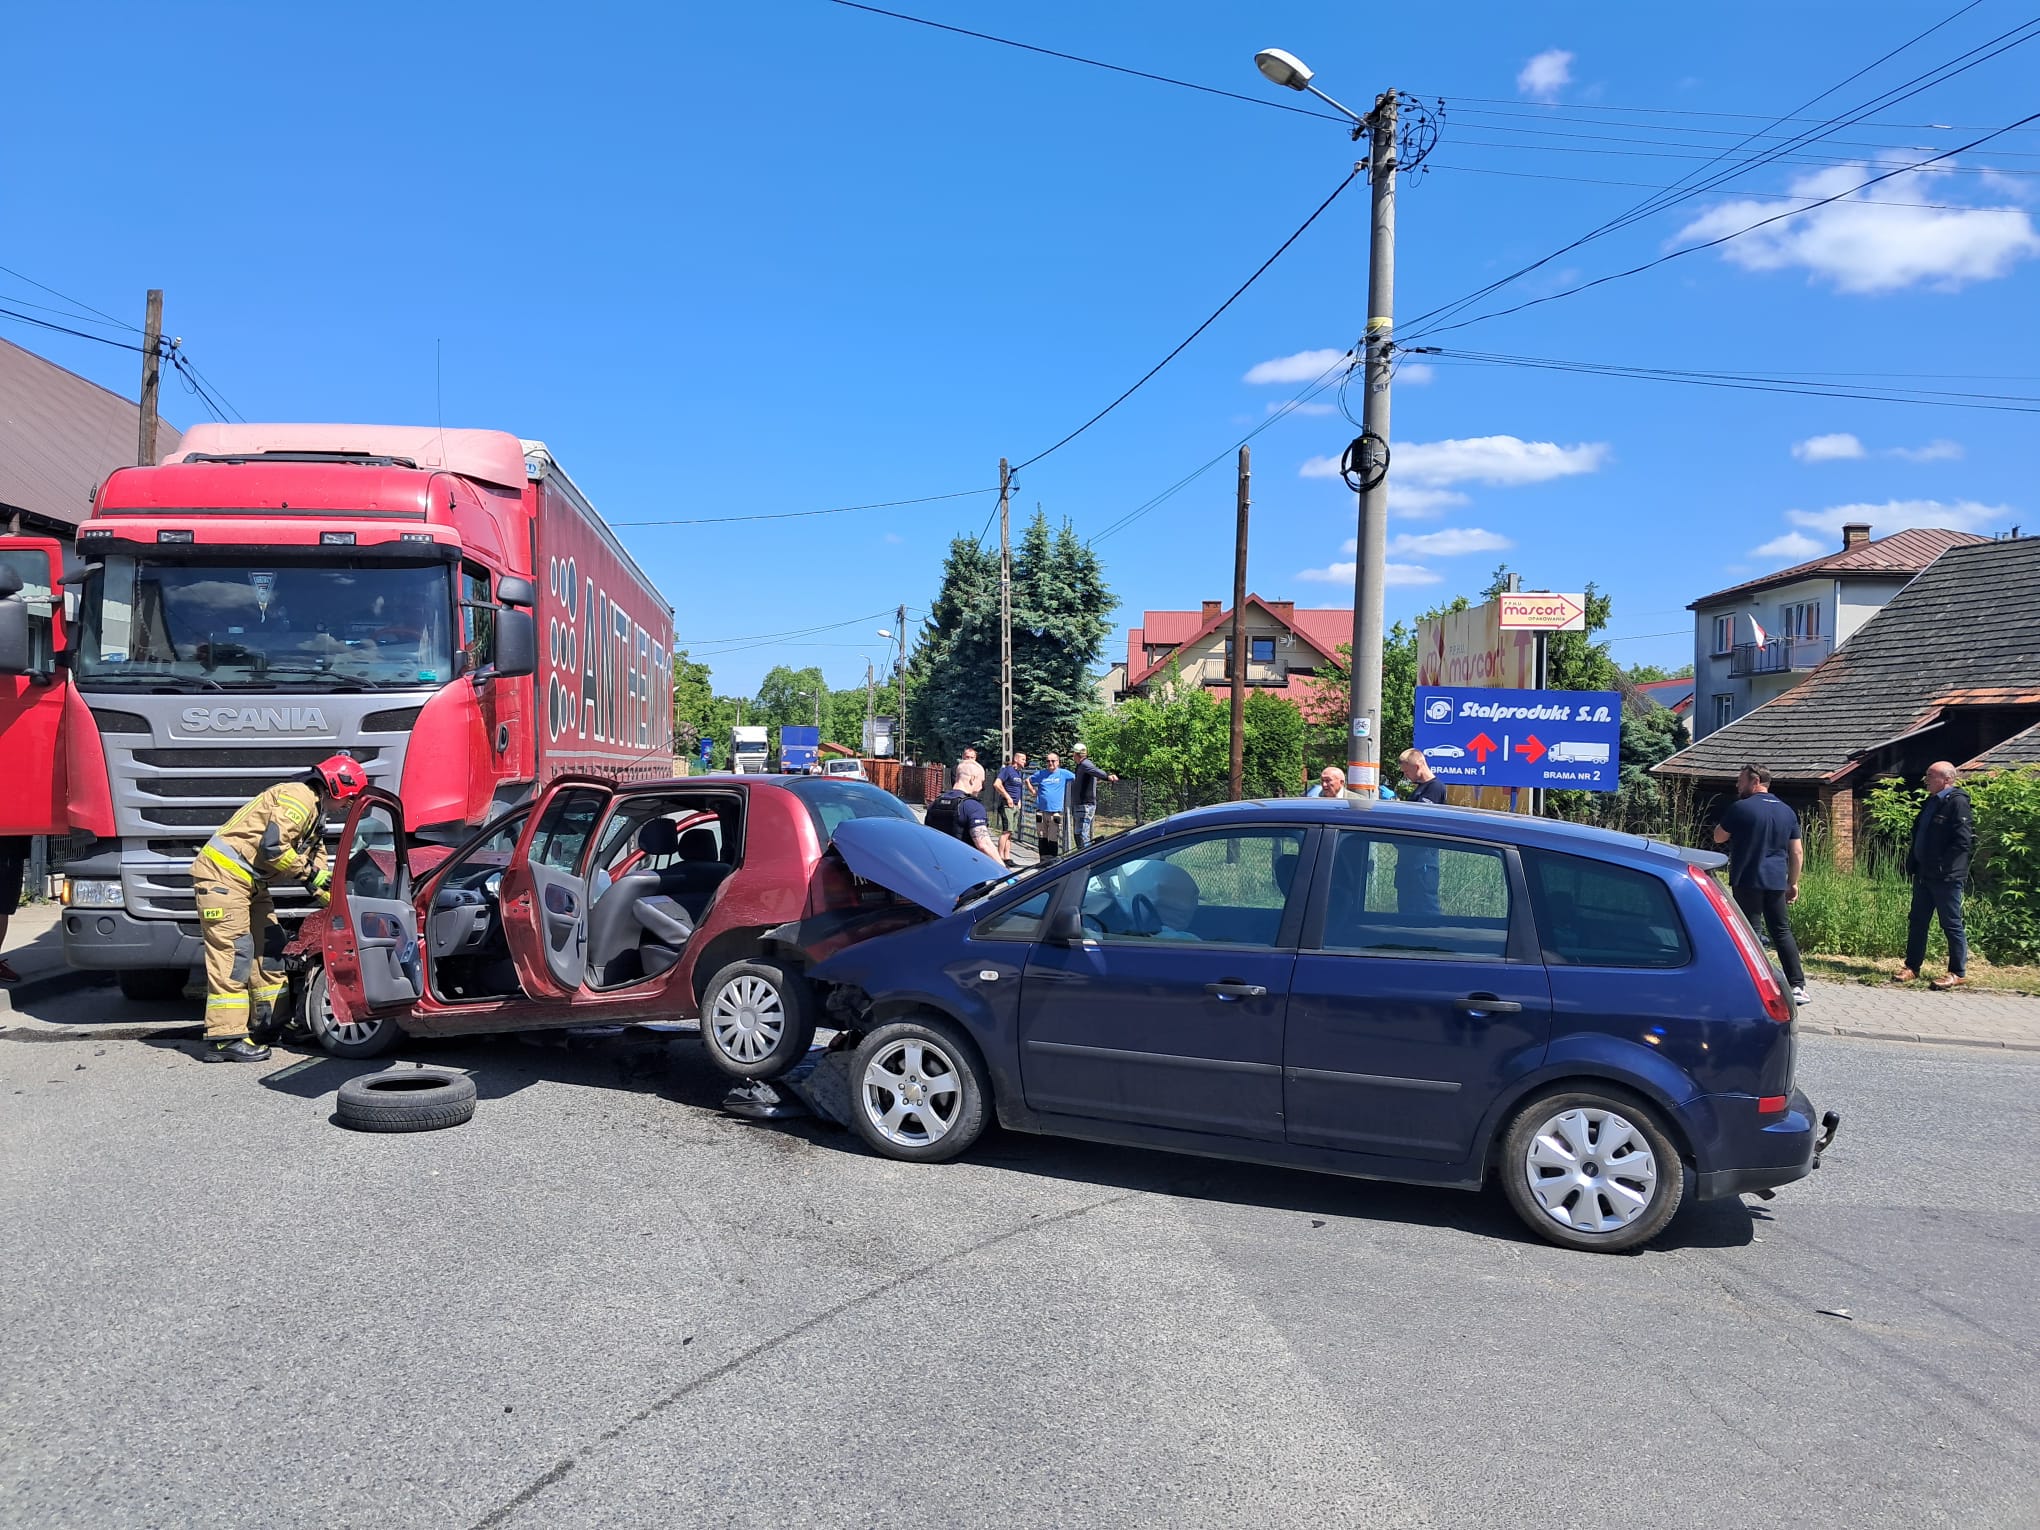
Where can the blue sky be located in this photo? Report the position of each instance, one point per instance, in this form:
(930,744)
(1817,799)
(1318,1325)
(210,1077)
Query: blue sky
(747,260)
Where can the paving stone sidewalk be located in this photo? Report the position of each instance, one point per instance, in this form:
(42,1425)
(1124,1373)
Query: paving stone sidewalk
(1890,1012)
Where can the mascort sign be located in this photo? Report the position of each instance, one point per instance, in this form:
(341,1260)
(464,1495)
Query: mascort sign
(1560,740)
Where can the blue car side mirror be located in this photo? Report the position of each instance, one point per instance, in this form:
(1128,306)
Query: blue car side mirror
(1067,929)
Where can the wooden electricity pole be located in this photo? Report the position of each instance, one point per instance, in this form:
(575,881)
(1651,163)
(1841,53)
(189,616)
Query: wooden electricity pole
(869,743)
(1005,615)
(152,373)
(900,728)
(1239,640)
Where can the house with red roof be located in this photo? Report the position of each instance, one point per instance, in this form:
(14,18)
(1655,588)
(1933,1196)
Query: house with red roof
(1754,641)
(1285,647)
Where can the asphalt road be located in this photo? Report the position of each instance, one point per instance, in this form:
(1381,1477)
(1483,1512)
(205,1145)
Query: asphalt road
(602,1303)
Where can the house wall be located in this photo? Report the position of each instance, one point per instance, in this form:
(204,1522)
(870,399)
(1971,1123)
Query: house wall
(1205,662)
(1845,605)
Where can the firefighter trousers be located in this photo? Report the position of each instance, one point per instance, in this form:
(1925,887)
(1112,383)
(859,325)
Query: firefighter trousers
(241,991)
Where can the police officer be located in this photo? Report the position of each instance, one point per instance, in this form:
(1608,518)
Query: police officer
(278,836)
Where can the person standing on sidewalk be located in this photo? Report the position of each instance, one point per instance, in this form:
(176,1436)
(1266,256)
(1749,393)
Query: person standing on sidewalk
(13,856)
(1765,856)
(1424,787)
(1084,793)
(1943,836)
(1050,790)
(1011,786)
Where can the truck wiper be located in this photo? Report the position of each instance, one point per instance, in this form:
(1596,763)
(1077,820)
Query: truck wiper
(165,680)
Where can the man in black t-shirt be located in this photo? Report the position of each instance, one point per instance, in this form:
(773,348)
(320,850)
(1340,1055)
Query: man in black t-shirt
(1084,793)
(958,811)
(1416,770)
(1765,855)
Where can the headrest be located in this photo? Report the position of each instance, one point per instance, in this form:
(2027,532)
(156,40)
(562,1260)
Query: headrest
(698,845)
(659,837)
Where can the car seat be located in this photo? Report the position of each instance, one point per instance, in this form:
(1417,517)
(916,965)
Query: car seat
(636,928)
(693,882)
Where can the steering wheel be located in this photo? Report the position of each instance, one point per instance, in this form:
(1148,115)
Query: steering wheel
(1147,919)
(492,886)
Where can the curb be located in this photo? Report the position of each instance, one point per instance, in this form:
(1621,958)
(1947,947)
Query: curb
(1918,1039)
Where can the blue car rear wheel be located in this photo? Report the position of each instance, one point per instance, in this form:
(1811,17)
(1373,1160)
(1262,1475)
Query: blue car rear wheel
(1592,1169)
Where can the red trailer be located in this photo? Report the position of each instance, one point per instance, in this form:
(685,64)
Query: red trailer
(445,604)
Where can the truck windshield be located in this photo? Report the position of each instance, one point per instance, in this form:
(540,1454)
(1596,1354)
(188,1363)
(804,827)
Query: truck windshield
(244,625)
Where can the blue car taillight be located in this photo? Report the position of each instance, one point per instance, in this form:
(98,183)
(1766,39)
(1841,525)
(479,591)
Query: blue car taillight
(1777,1003)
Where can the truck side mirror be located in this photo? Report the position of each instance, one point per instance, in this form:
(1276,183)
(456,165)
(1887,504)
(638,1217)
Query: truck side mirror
(10,581)
(516,644)
(17,655)
(514,590)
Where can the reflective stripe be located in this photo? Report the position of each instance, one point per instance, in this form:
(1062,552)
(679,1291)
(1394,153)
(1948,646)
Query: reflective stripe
(227,1001)
(223,856)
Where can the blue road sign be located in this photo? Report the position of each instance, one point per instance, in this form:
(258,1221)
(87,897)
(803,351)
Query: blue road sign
(707,749)
(1561,740)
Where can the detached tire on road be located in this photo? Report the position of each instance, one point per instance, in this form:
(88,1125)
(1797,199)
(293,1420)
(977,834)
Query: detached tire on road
(757,1018)
(405,1100)
(1592,1169)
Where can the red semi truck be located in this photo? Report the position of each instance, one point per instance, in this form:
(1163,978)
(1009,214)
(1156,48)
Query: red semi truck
(444,604)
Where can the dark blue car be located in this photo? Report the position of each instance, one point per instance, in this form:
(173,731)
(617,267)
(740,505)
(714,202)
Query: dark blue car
(1395,991)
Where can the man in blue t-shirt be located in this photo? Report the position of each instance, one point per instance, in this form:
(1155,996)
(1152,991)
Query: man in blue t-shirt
(1050,785)
(1765,854)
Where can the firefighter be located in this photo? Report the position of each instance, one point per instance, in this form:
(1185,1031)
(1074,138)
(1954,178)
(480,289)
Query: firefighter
(277,836)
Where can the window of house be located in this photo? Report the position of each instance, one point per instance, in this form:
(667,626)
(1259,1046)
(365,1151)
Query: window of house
(1724,633)
(1724,710)
(1802,619)
(1260,650)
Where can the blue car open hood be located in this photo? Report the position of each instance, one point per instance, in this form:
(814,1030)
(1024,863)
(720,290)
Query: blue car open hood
(913,861)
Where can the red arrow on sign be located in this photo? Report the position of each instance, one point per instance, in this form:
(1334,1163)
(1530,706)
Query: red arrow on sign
(1532,748)
(1482,746)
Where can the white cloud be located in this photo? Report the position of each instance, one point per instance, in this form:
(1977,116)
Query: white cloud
(894,537)
(1418,504)
(1546,75)
(1898,514)
(1415,373)
(1876,246)
(1397,574)
(1453,542)
(1834,448)
(1933,451)
(1310,409)
(1793,547)
(1500,460)
(1304,366)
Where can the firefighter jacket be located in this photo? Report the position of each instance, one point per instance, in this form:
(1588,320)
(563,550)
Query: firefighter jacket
(276,837)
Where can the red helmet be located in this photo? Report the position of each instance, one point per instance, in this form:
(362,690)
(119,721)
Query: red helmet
(340,777)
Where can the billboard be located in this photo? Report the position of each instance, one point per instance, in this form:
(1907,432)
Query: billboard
(1472,650)
(1558,740)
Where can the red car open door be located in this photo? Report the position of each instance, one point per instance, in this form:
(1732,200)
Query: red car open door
(545,890)
(372,955)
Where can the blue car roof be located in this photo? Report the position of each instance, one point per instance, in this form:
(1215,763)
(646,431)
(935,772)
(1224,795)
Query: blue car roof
(1480,823)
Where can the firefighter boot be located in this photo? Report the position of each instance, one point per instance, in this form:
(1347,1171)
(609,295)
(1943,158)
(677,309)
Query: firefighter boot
(242,1050)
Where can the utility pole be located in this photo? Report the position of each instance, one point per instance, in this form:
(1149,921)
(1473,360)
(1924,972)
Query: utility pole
(152,372)
(870,739)
(1239,641)
(1005,615)
(1363,741)
(900,728)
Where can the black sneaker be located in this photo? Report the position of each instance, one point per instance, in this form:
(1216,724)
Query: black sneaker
(242,1050)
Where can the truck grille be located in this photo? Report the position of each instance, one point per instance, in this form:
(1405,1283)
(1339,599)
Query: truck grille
(249,757)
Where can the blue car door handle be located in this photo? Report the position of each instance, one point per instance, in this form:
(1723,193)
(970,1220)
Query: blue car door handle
(1487,1004)
(1232,988)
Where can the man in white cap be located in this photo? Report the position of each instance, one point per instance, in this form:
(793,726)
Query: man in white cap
(1084,792)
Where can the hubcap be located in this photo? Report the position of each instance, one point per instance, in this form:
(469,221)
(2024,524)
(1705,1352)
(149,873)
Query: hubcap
(1591,1170)
(912,1092)
(328,1025)
(748,1018)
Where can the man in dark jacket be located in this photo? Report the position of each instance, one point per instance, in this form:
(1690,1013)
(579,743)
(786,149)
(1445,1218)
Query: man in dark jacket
(1938,862)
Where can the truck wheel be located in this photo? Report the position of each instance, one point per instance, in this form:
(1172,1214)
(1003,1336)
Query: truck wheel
(369,1037)
(757,1019)
(152,985)
(405,1100)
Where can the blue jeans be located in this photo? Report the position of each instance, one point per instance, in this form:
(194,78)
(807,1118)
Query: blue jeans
(1928,900)
(1087,817)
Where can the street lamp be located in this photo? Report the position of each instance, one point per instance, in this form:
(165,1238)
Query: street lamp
(1370,453)
(1292,73)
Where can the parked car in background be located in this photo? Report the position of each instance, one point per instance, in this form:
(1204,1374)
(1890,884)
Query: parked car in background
(845,770)
(1425,993)
(603,903)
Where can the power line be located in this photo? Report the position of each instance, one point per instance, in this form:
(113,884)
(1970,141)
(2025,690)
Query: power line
(794,515)
(1762,196)
(1077,58)
(74,302)
(64,329)
(1541,109)
(1708,244)
(1683,143)
(1184,345)
(1801,161)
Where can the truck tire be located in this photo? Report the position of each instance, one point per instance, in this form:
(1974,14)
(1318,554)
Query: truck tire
(757,1018)
(370,1037)
(153,985)
(405,1100)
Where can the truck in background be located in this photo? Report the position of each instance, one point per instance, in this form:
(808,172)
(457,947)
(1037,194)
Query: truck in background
(799,745)
(748,751)
(446,604)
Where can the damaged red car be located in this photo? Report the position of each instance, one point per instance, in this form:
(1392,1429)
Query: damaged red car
(606,903)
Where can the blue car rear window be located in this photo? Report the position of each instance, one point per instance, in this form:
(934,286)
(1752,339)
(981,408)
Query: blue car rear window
(1596,914)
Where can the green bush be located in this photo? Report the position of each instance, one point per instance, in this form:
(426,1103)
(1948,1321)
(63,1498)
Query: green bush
(1854,913)
(2005,919)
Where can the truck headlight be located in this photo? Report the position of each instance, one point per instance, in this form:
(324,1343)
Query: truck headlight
(89,893)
